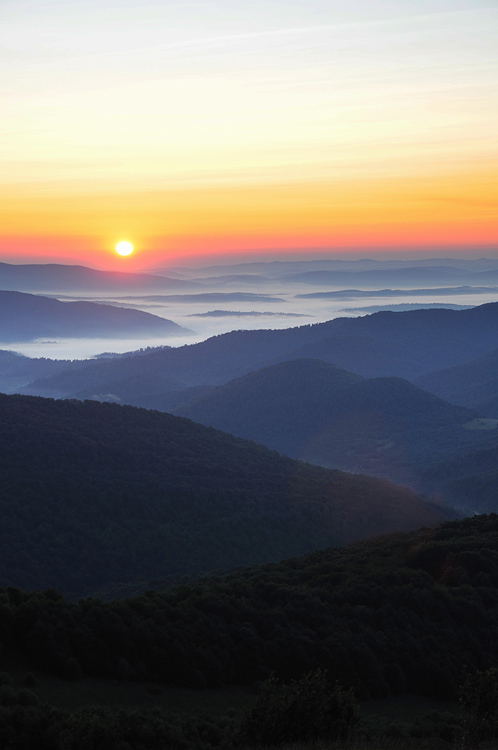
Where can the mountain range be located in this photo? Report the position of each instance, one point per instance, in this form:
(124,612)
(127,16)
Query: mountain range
(26,317)
(115,505)
(331,274)
(56,277)
(342,273)
(317,412)
(376,423)
(402,344)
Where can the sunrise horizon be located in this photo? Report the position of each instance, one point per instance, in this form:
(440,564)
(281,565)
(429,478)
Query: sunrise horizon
(241,130)
(106,261)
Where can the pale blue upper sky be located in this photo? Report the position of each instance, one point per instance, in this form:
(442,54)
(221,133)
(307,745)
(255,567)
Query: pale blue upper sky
(263,82)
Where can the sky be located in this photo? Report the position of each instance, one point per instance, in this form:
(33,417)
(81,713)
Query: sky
(206,129)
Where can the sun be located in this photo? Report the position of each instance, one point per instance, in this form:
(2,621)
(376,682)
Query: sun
(124,248)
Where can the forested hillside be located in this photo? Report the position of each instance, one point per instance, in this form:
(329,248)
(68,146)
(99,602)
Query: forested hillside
(213,361)
(403,344)
(16,369)
(93,495)
(404,613)
(469,481)
(474,384)
(312,410)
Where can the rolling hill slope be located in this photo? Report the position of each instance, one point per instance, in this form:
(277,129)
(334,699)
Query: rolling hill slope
(16,370)
(473,384)
(317,412)
(404,344)
(93,495)
(57,277)
(387,616)
(26,317)
(468,481)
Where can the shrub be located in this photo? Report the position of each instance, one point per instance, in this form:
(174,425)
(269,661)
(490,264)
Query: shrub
(479,706)
(306,709)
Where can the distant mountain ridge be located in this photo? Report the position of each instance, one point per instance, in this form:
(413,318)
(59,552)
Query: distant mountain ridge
(352,294)
(337,274)
(402,344)
(56,277)
(277,268)
(405,277)
(26,317)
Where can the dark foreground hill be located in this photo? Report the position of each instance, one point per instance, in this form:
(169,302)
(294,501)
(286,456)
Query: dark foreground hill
(93,495)
(401,344)
(25,317)
(317,412)
(404,613)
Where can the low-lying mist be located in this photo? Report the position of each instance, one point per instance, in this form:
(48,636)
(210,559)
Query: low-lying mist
(277,295)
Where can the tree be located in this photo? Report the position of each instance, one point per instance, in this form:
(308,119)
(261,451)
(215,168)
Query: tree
(479,707)
(306,709)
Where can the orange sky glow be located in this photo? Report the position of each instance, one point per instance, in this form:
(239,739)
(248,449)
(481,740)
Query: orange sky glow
(402,214)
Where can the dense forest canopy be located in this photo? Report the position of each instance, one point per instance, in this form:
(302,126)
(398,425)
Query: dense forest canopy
(403,613)
(94,495)
(318,412)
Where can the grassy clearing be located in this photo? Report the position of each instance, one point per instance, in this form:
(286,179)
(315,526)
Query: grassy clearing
(406,707)
(385,724)
(72,695)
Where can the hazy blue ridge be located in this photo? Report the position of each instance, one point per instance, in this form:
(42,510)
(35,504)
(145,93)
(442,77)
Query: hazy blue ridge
(26,317)
(473,384)
(57,277)
(314,411)
(404,344)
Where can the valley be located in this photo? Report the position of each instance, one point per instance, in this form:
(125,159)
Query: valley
(181,522)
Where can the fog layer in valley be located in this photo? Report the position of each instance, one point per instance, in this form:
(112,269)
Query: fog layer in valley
(217,299)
